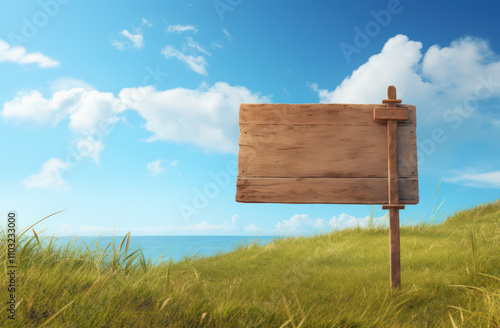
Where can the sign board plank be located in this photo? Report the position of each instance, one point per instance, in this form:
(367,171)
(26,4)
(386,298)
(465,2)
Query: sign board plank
(323,190)
(308,151)
(327,114)
(322,153)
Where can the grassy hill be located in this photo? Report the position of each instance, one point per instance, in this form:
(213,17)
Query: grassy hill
(450,278)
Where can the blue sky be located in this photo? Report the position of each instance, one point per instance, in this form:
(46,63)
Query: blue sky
(126,113)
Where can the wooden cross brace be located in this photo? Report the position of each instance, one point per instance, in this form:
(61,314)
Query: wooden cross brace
(392,114)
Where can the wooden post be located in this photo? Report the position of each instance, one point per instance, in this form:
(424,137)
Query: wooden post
(392,114)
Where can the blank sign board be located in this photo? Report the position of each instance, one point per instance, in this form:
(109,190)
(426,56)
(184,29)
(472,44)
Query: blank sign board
(322,153)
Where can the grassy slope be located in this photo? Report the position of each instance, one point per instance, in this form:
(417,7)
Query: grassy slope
(338,279)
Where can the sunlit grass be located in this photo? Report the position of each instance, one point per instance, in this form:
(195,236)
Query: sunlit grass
(450,278)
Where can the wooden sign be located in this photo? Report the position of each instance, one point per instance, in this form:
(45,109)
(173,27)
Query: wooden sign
(322,153)
(333,154)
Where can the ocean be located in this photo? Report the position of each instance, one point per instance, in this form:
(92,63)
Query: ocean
(175,247)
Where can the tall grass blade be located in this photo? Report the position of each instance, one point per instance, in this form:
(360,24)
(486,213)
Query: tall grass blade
(52,317)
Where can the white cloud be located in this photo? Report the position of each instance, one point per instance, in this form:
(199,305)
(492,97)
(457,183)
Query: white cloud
(196,46)
(89,147)
(174,162)
(496,122)
(131,40)
(49,176)
(303,224)
(348,221)
(65,83)
(228,35)
(207,116)
(300,223)
(93,109)
(395,65)
(119,44)
(20,56)
(87,110)
(145,22)
(477,180)
(155,167)
(252,228)
(32,106)
(434,81)
(136,39)
(455,69)
(181,28)
(197,64)
(91,114)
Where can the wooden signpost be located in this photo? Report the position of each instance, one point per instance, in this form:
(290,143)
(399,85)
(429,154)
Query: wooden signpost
(331,154)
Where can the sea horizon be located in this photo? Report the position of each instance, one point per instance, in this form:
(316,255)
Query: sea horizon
(176,247)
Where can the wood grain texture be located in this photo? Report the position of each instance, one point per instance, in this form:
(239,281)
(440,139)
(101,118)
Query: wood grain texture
(322,153)
(392,149)
(307,151)
(384,114)
(325,114)
(394,242)
(323,190)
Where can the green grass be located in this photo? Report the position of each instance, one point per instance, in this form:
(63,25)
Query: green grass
(450,278)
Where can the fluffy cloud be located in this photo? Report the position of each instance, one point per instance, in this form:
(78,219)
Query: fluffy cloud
(20,56)
(66,83)
(49,176)
(93,109)
(198,64)
(478,180)
(455,69)
(89,147)
(32,106)
(435,81)
(181,28)
(207,116)
(348,221)
(252,228)
(86,110)
(303,224)
(133,40)
(136,39)
(299,223)
(156,168)
(91,114)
